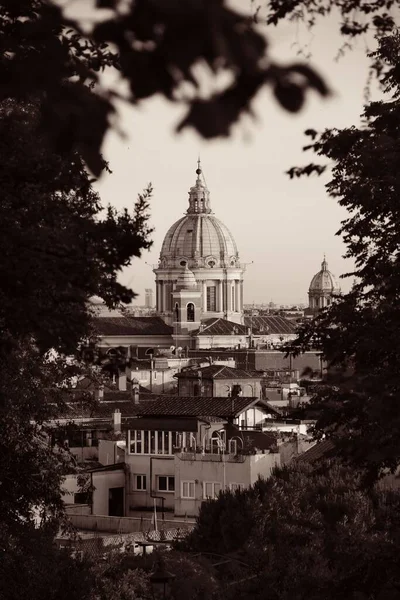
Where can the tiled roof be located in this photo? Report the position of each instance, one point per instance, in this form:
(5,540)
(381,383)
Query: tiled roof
(220,327)
(100,410)
(84,406)
(131,326)
(320,450)
(219,372)
(270,325)
(185,406)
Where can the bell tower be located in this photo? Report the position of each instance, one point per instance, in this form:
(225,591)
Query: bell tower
(186,302)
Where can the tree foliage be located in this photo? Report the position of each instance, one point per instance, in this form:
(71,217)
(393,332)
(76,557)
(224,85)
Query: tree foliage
(357,16)
(156,45)
(312,534)
(57,247)
(359,333)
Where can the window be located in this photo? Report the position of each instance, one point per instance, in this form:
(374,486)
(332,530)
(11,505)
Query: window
(236,486)
(232,446)
(140,483)
(190,312)
(153,442)
(211,298)
(176,312)
(83,498)
(166,484)
(211,489)
(188,488)
(233,299)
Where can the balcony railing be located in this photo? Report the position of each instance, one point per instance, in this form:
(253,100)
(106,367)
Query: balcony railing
(212,457)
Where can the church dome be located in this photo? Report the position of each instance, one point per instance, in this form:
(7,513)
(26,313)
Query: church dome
(186,280)
(324,280)
(199,239)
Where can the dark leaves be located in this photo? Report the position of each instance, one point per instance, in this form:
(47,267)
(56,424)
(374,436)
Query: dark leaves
(307,170)
(289,95)
(158,44)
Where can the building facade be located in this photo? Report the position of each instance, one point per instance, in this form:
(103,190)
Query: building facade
(203,246)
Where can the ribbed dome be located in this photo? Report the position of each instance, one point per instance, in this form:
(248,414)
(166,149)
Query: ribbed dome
(186,280)
(324,280)
(199,238)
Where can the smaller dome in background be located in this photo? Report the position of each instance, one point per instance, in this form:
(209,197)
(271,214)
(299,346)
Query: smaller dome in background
(324,280)
(186,280)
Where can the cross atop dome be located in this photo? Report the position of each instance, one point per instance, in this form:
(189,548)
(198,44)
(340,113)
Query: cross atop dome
(199,196)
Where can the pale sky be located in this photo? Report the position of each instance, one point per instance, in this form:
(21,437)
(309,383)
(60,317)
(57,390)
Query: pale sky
(285,226)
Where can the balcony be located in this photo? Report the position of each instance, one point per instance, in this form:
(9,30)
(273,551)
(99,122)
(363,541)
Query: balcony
(207,456)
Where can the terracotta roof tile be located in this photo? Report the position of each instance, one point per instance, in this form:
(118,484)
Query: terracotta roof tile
(272,324)
(131,326)
(221,327)
(197,406)
(320,450)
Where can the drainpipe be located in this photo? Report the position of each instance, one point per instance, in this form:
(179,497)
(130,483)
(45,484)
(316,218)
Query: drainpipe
(92,492)
(162,498)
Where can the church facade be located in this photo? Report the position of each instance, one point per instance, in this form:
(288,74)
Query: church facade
(199,275)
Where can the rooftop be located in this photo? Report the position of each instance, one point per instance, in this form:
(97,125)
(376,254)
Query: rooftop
(321,450)
(218,326)
(131,326)
(218,372)
(268,325)
(188,406)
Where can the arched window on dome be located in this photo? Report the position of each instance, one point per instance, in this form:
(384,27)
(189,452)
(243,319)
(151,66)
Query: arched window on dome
(176,312)
(190,312)
(233,299)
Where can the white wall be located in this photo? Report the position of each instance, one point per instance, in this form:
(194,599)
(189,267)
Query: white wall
(102,482)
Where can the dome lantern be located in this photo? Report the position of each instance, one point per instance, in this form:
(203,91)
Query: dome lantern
(199,196)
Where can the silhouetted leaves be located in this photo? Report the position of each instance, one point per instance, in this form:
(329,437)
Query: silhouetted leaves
(360,333)
(56,250)
(158,44)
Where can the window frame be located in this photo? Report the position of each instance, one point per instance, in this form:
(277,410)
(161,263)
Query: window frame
(239,486)
(188,482)
(211,298)
(143,477)
(167,477)
(190,312)
(213,484)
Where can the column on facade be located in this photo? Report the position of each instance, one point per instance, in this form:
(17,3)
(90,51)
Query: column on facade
(167,296)
(220,305)
(164,308)
(204,296)
(237,296)
(241,294)
(160,295)
(228,296)
(157,297)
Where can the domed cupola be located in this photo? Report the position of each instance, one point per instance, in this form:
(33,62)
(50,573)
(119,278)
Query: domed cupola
(203,244)
(198,239)
(186,280)
(322,288)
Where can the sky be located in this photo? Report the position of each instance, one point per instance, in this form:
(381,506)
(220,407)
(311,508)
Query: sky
(282,226)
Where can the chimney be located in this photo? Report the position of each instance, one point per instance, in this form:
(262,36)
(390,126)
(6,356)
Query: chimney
(99,393)
(117,420)
(122,381)
(135,390)
(128,375)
